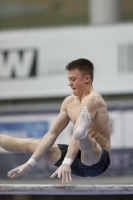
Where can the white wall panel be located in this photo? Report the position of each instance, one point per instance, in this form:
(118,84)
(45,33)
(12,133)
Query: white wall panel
(53,48)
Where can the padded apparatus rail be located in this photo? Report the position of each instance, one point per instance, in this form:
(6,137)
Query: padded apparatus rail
(31,189)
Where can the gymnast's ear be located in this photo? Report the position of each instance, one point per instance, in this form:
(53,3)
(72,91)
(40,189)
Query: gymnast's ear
(87,79)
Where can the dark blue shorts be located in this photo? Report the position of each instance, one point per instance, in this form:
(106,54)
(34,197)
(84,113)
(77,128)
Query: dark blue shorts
(82,170)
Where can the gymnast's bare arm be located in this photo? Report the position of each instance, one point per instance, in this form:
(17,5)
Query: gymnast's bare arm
(64,171)
(46,143)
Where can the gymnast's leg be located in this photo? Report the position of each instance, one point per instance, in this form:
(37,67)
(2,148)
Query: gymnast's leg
(91,151)
(18,145)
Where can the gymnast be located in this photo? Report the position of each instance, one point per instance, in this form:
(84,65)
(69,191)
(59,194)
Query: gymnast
(89,148)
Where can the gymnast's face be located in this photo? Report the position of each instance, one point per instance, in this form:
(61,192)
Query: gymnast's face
(77,81)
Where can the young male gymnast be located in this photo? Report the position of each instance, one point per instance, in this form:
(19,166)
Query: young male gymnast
(89,148)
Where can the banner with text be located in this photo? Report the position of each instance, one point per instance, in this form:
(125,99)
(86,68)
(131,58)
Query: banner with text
(32,62)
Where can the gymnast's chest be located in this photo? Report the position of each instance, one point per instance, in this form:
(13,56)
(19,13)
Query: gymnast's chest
(73,112)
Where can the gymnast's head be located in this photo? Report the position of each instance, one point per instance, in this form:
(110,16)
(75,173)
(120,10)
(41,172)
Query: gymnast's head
(83,65)
(80,75)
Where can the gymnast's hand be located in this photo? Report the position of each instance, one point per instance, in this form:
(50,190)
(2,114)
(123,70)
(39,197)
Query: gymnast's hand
(18,171)
(64,172)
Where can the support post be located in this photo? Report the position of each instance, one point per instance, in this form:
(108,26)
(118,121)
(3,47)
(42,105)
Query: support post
(104,11)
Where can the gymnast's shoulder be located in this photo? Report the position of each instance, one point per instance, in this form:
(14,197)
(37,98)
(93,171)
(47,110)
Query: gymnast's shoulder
(68,100)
